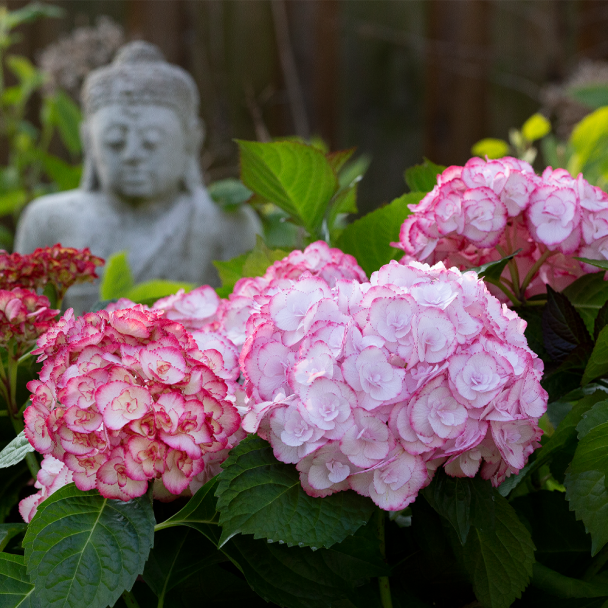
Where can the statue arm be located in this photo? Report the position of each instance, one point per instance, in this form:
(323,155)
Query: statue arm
(35,229)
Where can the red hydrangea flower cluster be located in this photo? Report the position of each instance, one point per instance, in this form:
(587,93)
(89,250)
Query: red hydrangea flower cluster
(373,386)
(489,209)
(126,397)
(318,259)
(23,317)
(57,265)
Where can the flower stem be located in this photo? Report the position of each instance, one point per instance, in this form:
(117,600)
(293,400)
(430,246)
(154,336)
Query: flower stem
(505,290)
(597,563)
(383,581)
(543,258)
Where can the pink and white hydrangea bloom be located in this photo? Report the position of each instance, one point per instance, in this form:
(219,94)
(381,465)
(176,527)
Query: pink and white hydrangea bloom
(488,209)
(371,386)
(128,396)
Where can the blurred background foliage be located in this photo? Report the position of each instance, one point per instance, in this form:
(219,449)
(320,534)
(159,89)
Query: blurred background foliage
(399,80)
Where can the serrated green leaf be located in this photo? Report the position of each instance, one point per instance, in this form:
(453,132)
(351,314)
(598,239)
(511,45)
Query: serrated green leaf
(15,451)
(259,495)
(536,127)
(593,417)
(339,158)
(463,502)
(588,294)
(559,585)
(150,291)
(493,270)
(597,365)
(369,238)
(585,479)
(344,202)
(82,549)
(490,147)
(592,95)
(229,193)
(423,177)
(499,561)
(117,279)
(353,171)
(230,272)
(603,264)
(294,176)
(15,587)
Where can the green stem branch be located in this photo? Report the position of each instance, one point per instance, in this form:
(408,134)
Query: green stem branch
(543,258)
(129,599)
(597,563)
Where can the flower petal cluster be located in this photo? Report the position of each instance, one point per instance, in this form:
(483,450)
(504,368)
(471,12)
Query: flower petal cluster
(59,266)
(318,259)
(126,397)
(52,476)
(372,386)
(486,210)
(24,316)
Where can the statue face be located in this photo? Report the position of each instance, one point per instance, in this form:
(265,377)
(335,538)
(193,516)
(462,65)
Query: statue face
(139,151)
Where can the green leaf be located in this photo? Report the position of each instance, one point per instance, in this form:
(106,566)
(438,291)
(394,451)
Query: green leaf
(536,127)
(589,144)
(12,482)
(491,147)
(353,171)
(592,95)
(588,294)
(84,550)
(499,561)
(252,264)
(150,291)
(493,270)
(15,587)
(200,513)
(338,159)
(25,71)
(344,202)
(423,177)
(117,279)
(294,176)
(559,585)
(12,202)
(15,451)
(9,531)
(463,502)
(600,321)
(603,264)
(31,12)
(563,327)
(585,479)
(66,176)
(229,193)
(597,365)
(178,555)
(66,116)
(259,495)
(369,238)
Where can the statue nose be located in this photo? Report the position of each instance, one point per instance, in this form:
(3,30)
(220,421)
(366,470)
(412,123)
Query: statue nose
(134,151)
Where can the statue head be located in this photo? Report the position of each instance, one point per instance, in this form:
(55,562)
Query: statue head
(141,132)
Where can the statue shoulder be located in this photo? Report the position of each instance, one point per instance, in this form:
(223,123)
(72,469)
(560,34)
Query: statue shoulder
(44,220)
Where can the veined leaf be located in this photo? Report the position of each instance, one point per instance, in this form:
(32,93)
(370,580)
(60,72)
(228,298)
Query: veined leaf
(8,531)
(561,586)
(294,176)
(15,587)
(369,238)
(586,476)
(229,193)
(82,549)
(15,451)
(499,561)
(259,495)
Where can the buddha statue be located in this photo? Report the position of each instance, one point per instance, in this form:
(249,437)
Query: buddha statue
(141,188)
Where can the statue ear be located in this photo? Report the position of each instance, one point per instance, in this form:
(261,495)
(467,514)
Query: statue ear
(89,180)
(195,137)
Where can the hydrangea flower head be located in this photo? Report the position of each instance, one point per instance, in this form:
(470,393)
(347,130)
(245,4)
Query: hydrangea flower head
(371,386)
(487,210)
(126,397)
